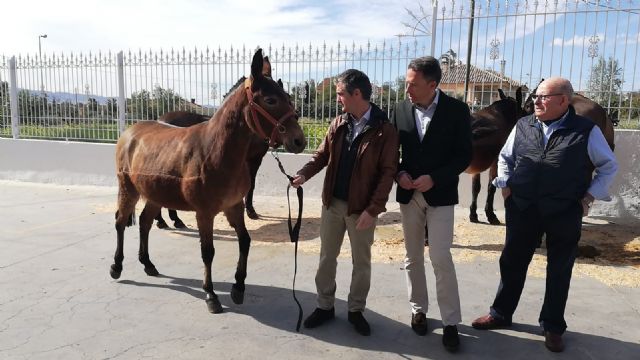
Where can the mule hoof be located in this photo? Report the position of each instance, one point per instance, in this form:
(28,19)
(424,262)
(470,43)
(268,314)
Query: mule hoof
(162,225)
(115,271)
(252,214)
(213,304)
(493,220)
(178,224)
(237,296)
(151,271)
(473,218)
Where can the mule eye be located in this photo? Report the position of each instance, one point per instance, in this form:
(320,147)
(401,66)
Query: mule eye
(270,101)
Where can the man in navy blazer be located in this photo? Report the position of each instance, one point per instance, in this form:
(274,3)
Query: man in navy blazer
(435,139)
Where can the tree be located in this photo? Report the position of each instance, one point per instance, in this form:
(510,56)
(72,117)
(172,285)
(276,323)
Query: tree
(629,113)
(605,81)
(4,101)
(112,106)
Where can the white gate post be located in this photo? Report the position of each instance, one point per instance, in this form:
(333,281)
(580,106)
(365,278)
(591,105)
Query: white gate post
(434,17)
(122,101)
(13,99)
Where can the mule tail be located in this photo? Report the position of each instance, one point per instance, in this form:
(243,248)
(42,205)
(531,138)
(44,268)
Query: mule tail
(132,218)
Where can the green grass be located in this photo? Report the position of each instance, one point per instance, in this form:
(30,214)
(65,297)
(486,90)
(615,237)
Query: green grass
(107,132)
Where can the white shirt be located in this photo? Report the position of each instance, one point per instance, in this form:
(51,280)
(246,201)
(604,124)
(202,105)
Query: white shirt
(423,116)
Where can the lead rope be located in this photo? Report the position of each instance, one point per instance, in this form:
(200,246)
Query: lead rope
(294,233)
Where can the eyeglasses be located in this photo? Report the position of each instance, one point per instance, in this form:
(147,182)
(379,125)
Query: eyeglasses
(543,97)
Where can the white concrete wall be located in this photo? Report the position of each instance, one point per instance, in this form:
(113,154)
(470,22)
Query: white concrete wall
(73,163)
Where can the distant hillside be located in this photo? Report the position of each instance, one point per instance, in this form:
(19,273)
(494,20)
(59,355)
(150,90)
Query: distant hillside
(60,96)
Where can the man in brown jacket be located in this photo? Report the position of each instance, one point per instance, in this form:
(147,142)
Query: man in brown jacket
(360,152)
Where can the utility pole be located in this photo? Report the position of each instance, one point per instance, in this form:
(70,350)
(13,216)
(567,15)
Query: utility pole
(43,36)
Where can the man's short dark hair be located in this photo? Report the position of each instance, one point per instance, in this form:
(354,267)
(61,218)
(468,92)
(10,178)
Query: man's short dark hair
(353,79)
(428,66)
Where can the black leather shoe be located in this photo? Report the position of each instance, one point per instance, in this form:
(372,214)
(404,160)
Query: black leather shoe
(489,322)
(319,317)
(359,323)
(450,338)
(419,323)
(553,341)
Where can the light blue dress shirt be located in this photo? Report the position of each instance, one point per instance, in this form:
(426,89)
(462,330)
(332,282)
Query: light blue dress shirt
(599,152)
(358,124)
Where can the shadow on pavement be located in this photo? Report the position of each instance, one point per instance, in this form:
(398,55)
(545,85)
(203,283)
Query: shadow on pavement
(275,307)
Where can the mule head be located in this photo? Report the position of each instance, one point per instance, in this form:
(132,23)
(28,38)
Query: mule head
(528,104)
(269,112)
(510,109)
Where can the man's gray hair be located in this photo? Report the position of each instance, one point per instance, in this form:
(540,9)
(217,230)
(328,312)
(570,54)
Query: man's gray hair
(567,89)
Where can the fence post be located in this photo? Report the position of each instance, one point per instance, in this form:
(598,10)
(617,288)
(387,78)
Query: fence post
(13,99)
(122,101)
(434,18)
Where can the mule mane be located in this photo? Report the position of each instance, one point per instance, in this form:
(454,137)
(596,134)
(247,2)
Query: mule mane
(234,87)
(505,107)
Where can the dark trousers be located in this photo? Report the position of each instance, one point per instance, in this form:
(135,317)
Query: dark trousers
(524,229)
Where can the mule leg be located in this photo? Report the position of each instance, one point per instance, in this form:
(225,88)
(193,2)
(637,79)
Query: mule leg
(254,165)
(491,191)
(475,190)
(177,223)
(127,199)
(235,216)
(149,213)
(161,224)
(205,228)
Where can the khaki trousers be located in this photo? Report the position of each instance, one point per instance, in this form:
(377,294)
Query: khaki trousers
(333,224)
(440,222)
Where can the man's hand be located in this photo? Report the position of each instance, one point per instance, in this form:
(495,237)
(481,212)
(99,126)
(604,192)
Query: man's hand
(423,183)
(297,181)
(506,192)
(365,221)
(405,181)
(587,201)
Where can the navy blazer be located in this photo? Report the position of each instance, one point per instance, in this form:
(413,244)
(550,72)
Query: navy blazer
(445,150)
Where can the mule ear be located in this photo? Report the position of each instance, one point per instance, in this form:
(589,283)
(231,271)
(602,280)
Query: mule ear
(280,83)
(519,96)
(502,95)
(256,65)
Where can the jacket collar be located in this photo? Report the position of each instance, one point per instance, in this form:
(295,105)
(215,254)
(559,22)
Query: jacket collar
(376,116)
(563,123)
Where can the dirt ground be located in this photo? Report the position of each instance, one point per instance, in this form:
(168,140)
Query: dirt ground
(616,261)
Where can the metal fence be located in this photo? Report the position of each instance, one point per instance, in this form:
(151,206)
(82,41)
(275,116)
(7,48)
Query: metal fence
(95,96)
(79,96)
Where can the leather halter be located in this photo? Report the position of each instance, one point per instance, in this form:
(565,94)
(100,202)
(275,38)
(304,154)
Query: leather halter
(254,122)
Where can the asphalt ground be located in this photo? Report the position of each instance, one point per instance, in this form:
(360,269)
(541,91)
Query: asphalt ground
(57,300)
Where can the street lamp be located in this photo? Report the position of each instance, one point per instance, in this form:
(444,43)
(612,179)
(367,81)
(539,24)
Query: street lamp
(43,36)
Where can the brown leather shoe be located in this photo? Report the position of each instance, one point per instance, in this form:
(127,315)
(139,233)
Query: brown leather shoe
(419,323)
(553,341)
(489,322)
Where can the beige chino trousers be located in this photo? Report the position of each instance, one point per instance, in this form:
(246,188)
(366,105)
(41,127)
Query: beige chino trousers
(333,224)
(440,223)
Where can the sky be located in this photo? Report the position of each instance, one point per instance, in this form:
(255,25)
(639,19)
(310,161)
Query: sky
(91,25)
(533,47)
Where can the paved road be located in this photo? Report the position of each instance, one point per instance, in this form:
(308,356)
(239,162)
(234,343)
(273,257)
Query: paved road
(57,300)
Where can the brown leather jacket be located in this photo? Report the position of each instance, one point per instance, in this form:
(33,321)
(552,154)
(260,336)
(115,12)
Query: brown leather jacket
(375,167)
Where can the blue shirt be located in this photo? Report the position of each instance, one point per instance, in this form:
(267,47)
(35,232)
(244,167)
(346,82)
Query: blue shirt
(358,124)
(599,152)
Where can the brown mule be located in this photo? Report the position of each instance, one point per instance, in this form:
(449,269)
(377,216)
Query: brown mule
(203,169)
